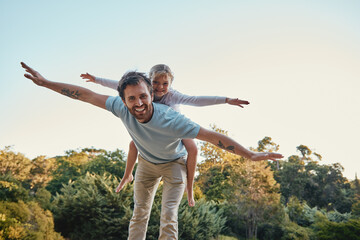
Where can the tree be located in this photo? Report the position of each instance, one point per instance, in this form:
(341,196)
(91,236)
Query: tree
(19,220)
(330,230)
(247,185)
(106,162)
(15,164)
(319,185)
(89,208)
(11,189)
(41,172)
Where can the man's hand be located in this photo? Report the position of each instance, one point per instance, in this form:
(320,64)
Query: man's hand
(69,90)
(34,75)
(236,102)
(88,77)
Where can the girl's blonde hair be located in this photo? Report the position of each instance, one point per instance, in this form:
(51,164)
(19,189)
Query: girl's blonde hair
(160,70)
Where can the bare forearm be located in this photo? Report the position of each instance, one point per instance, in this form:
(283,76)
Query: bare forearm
(77,92)
(68,90)
(224,142)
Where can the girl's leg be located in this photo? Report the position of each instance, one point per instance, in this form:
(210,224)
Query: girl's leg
(130,163)
(190,167)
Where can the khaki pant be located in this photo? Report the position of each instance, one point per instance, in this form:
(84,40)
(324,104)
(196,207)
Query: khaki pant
(147,178)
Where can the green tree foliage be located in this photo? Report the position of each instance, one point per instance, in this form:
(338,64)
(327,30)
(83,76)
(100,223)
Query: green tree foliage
(19,220)
(89,208)
(15,164)
(247,185)
(11,189)
(319,185)
(204,221)
(106,162)
(77,163)
(356,187)
(43,198)
(41,172)
(355,209)
(68,168)
(330,230)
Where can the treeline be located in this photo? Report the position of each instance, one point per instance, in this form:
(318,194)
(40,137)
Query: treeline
(72,197)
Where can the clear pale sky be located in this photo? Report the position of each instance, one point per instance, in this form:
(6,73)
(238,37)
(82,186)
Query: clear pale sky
(297,62)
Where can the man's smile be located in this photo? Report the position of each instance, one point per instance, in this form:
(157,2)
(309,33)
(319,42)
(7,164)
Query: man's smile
(140,109)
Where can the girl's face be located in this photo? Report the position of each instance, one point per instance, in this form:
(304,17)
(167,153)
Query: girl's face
(161,85)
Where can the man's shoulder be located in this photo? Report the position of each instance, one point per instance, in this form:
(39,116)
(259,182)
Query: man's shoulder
(114,104)
(164,111)
(161,107)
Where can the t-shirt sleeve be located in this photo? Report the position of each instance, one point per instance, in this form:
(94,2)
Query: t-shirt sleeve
(199,101)
(107,82)
(116,106)
(183,127)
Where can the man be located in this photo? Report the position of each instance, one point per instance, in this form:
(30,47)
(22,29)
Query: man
(157,131)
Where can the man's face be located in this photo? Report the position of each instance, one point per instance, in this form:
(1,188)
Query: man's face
(139,101)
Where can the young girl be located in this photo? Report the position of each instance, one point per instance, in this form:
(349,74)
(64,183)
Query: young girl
(162,78)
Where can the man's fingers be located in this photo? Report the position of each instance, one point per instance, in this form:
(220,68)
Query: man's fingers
(28,69)
(25,66)
(29,76)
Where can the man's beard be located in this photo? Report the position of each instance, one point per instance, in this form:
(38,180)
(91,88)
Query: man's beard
(144,115)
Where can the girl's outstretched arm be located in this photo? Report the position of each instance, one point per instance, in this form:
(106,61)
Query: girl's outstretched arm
(199,101)
(102,81)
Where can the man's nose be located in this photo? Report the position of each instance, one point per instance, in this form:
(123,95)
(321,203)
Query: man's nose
(139,102)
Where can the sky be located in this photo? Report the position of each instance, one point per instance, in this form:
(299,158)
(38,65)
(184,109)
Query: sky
(296,62)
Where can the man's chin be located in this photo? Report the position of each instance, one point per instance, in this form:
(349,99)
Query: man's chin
(139,117)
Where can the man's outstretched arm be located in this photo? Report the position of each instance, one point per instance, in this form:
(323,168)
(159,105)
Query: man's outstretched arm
(230,145)
(69,90)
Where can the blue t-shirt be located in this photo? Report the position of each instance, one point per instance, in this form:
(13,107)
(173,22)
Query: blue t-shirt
(159,140)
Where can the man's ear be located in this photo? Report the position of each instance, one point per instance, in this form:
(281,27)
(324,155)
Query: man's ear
(124,102)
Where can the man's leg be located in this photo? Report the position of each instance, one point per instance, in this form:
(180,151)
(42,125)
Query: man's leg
(147,179)
(174,178)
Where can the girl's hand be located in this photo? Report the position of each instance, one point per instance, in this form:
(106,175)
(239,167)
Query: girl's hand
(88,77)
(236,102)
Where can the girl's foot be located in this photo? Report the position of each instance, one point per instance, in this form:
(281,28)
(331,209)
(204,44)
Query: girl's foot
(123,182)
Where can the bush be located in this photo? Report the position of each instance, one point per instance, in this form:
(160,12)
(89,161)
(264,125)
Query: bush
(89,208)
(25,221)
(204,221)
(328,230)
